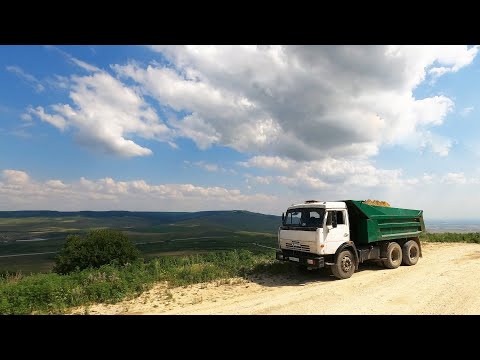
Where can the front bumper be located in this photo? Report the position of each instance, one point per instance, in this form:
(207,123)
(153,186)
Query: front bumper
(309,260)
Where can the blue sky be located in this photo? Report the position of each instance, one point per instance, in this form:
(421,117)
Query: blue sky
(184,128)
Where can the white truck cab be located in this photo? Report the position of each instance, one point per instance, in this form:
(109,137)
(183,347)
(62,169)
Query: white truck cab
(314,227)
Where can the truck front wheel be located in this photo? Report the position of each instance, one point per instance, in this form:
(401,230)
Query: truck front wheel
(344,266)
(394,256)
(411,252)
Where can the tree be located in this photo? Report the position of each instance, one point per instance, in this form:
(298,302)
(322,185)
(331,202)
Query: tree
(96,248)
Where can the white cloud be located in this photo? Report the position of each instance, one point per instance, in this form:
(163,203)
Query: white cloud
(264,180)
(58,82)
(453,58)
(302,102)
(56,184)
(19,191)
(55,120)
(29,78)
(467,110)
(295,102)
(268,162)
(454,178)
(326,173)
(438,144)
(427,179)
(104,113)
(207,166)
(302,181)
(73,60)
(15,177)
(195,128)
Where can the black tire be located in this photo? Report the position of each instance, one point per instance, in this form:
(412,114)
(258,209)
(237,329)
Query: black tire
(394,256)
(344,266)
(410,253)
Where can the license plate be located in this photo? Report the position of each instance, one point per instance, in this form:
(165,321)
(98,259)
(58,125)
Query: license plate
(294,259)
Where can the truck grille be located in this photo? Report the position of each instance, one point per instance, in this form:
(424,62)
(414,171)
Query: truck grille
(297,247)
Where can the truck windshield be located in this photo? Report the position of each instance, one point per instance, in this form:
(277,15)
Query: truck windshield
(304,218)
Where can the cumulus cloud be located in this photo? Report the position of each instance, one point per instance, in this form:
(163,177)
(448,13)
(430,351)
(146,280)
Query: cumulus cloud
(207,166)
(19,191)
(56,184)
(28,78)
(15,177)
(104,113)
(268,162)
(325,173)
(264,180)
(55,120)
(302,102)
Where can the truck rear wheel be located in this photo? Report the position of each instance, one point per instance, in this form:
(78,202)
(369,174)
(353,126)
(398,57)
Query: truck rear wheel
(411,253)
(394,256)
(344,266)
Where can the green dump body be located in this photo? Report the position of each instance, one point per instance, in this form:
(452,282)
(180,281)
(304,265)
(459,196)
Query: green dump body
(369,224)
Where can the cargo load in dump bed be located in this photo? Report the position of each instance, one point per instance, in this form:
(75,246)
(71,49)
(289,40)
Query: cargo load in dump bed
(369,224)
(342,234)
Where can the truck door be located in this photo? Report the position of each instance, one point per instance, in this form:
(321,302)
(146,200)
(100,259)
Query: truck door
(335,236)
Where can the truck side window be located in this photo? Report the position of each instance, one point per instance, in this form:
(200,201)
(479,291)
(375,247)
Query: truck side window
(340,219)
(329,218)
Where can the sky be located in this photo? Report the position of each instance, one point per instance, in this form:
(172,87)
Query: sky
(188,128)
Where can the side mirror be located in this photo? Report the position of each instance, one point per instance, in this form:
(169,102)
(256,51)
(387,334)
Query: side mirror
(283,218)
(334,219)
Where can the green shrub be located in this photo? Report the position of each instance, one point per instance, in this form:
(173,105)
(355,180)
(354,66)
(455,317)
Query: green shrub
(96,248)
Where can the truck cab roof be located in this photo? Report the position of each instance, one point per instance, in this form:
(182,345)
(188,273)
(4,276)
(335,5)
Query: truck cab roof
(319,204)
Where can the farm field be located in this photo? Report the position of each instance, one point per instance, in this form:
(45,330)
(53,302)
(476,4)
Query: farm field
(30,240)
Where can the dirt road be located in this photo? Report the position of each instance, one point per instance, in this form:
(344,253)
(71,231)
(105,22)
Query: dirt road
(445,281)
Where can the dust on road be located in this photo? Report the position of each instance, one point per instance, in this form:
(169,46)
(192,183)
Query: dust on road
(445,281)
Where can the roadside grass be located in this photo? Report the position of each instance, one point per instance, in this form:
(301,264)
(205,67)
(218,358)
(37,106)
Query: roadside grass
(53,293)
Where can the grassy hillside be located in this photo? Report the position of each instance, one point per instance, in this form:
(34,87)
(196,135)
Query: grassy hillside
(155,234)
(53,293)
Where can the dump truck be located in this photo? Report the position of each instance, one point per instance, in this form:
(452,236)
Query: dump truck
(340,235)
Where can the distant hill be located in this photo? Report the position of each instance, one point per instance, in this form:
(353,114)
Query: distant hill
(232,220)
(236,220)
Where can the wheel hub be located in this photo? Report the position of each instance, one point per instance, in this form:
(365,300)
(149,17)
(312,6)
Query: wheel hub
(413,253)
(346,264)
(395,255)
